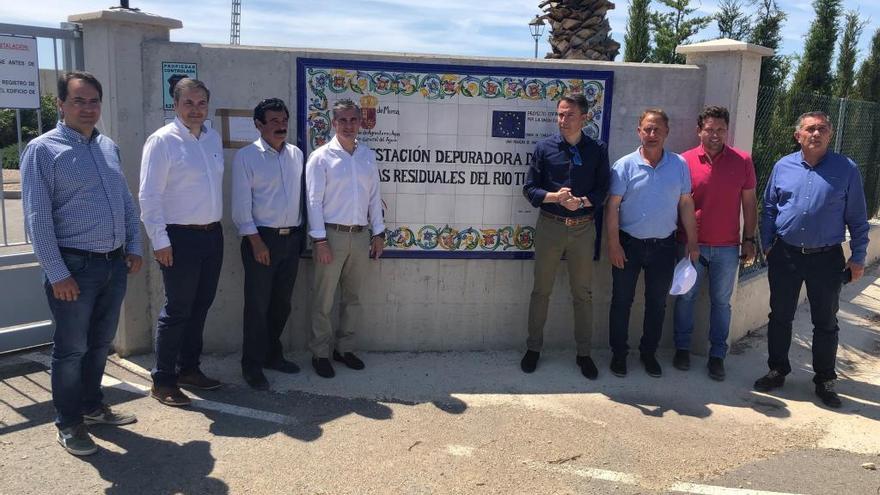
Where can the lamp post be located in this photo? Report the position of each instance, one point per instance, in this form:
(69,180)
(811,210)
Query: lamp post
(536,27)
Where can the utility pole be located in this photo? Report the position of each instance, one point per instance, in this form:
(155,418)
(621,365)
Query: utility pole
(235,29)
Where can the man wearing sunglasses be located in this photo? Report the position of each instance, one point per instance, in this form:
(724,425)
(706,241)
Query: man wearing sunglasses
(723,183)
(568,181)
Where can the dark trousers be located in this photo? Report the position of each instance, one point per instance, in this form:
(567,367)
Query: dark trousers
(84,331)
(267,292)
(190,286)
(787,271)
(657,258)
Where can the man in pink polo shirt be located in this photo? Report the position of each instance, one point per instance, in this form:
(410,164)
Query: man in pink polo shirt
(723,182)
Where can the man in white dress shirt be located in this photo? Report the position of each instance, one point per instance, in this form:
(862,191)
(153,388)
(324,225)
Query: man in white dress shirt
(267,207)
(181,207)
(344,205)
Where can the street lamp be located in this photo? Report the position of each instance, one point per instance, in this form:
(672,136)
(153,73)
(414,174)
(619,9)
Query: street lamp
(536,27)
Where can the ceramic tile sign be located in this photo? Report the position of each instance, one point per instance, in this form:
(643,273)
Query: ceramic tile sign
(171,73)
(19,72)
(453,145)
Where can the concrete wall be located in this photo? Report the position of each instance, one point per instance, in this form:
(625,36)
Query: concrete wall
(410,304)
(417,304)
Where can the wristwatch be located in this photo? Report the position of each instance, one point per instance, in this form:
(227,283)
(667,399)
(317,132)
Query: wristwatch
(581,203)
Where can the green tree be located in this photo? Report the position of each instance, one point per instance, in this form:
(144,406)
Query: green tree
(767,32)
(848,52)
(732,21)
(637,39)
(813,74)
(868,79)
(674,28)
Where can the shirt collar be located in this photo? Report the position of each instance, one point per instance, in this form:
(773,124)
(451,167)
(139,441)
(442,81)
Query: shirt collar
(800,155)
(72,134)
(183,129)
(705,157)
(335,145)
(263,146)
(561,140)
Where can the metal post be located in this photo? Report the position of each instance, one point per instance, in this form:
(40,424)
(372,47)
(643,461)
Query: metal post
(18,128)
(841,116)
(536,47)
(3,204)
(72,49)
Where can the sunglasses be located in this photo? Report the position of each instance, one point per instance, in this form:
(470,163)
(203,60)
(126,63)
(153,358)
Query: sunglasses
(575,156)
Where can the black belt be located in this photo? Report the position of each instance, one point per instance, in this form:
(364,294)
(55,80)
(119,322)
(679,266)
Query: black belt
(650,240)
(568,221)
(806,250)
(116,253)
(193,226)
(278,230)
(345,228)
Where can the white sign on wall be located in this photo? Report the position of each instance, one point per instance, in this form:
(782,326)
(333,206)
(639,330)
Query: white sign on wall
(19,72)
(453,145)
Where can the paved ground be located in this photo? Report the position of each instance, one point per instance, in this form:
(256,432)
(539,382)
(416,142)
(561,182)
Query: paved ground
(437,423)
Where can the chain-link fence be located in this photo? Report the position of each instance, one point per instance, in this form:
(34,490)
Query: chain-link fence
(856,135)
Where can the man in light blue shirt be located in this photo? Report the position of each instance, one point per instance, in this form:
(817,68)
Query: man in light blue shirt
(812,197)
(650,189)
(84,225)
(268,183)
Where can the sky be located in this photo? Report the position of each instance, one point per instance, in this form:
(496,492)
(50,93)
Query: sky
(452,27)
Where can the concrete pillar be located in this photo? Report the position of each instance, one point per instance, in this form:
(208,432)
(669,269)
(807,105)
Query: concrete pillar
(112,51)
(733,70)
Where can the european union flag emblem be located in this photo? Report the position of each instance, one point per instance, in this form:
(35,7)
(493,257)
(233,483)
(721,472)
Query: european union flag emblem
(508,124)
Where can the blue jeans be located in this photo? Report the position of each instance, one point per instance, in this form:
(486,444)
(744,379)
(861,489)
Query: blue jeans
(723,266)
(656,257)
(190,286)
(84,331)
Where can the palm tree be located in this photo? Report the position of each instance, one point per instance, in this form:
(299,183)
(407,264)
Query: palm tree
(579,29)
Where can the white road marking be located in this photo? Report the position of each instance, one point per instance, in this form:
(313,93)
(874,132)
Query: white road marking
(631,479)
(460,450)
(198,402)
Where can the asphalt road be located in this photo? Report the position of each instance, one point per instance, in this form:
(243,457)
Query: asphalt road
(438,423)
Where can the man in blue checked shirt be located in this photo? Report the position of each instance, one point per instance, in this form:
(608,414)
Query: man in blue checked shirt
(84,225)
(812,197)
(568,181)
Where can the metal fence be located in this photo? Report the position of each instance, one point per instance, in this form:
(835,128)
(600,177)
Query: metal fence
(856,135)
(63,50)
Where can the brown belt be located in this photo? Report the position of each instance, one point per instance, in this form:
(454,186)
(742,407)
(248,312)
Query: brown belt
(282,231)
(569,221)
(193,226)
(345,228)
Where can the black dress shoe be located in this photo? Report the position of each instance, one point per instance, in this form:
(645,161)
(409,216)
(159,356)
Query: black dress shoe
(529,362)
(652,367)
(681,360)
(323,367)
(773,379)
(618,364)
(256,379)
(825,391)
(588,367)
(716,368)
(282,365)
(349,359)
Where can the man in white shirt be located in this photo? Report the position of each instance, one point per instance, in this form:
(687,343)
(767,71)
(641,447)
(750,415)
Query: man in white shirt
(181,207)
(267,207)
(342,184)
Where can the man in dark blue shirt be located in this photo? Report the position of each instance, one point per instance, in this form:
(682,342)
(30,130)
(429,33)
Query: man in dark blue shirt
(812,197)
(568,180)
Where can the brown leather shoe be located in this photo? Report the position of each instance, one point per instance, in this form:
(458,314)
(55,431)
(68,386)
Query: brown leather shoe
(170,396)
(197,379)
